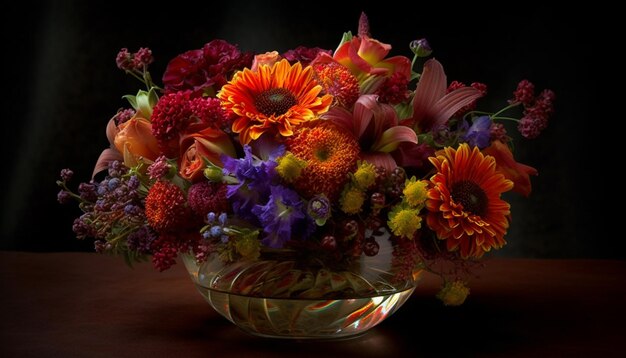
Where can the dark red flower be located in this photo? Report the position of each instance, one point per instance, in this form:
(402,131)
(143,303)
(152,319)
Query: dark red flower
(206,70)
(304,55)
(206,197)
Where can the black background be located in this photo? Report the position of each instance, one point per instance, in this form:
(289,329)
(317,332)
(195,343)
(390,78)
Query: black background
(62,86)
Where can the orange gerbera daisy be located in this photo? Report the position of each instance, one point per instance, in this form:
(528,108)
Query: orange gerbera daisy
(273,98)
(464,202)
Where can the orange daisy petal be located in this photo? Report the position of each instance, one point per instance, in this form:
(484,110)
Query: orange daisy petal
(464,204)
(273,99)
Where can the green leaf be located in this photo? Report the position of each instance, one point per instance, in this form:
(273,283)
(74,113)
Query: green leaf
(143,104)
(132,100)
(404,110)
(347,36)
(153,97)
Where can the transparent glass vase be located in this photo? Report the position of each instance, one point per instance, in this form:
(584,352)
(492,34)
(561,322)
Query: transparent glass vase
(283,296)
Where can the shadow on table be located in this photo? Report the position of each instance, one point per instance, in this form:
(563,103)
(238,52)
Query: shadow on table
(423,327)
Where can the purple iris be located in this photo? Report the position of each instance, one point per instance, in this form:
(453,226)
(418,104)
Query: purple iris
(479,133)
(255,177)
(282,215)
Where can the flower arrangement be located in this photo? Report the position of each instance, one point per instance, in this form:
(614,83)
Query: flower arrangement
(324,153)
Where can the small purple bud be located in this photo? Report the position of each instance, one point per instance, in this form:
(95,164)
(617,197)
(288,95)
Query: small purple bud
(421,48)
(64,197)
(66,174)
(222,219)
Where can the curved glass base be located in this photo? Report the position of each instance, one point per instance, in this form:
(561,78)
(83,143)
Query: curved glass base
(304,318)
(285,297)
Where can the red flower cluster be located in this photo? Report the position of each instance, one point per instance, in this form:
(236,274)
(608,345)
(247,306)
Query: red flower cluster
(304,55)
(134,61)
(537,109)
(536,116)
(206,70)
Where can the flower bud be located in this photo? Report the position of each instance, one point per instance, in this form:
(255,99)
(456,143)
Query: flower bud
(319,209)
(421,48)
(214,174)
(267,59)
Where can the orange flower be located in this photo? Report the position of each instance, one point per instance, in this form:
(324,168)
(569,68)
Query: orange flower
(273,99)
(512,170)
(464,202)
(135,137)
(268,58)
(330,154)
(206,144)
(365,57)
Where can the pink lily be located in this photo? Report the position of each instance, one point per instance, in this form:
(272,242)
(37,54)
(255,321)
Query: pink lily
(375,126)
(432,107)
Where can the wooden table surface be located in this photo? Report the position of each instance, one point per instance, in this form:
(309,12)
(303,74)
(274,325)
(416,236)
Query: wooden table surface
(89,305)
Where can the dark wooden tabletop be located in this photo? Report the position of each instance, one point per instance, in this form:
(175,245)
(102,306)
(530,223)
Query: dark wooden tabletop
(89,305)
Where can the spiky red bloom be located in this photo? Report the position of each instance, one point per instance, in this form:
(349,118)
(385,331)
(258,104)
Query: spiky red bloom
(206,197)
(169,118)
(338,81)
(209,111)
(330,154)
(165,207)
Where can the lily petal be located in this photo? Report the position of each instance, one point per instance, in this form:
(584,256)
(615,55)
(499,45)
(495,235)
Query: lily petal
(108,155)
(449,104)
(384,160)
(341,117)
(372,51)
(392,137)
(397,64)
(430,88)
(363,113)
(111,131)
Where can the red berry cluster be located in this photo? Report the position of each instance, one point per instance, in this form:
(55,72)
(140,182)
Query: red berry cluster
(537,109)
(137,61)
